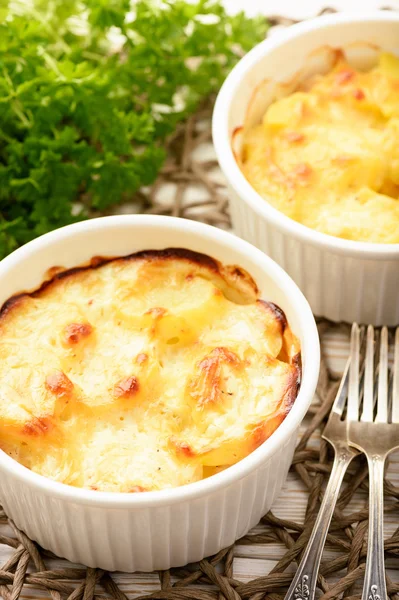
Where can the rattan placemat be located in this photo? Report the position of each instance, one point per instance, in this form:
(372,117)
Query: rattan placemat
(191,186)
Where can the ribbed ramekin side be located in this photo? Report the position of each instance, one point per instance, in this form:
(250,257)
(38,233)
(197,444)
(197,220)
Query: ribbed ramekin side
(149,538)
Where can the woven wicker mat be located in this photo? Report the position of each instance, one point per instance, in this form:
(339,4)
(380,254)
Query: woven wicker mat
(191,186)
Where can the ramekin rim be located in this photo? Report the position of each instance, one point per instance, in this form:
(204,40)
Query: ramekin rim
(233,173)
(236,472)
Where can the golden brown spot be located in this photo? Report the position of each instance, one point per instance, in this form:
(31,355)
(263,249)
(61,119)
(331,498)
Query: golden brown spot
(337,54)
(294,382)
(294,136)
(236,132)
(156,312)
(53,271)
(141,358)
(12,303)
(59,384)
(227,355)
(259,435)
(136,489)
(358,94)
(344,76)
(96,261)
(237,273)
(126,387)
(37,426)
(189,277)
(206,388)
(264,429)
(158,256)
(302,171)
(94,488)
(277,313)
(182,448)
(90,302)
(75,332)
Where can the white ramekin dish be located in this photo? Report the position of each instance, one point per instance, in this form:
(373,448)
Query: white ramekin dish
(342,279)
(155,530)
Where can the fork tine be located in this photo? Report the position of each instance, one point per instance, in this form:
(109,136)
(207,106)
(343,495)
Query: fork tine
(342,393)
(382,402)
(395,383)
(353,392)
(368,395)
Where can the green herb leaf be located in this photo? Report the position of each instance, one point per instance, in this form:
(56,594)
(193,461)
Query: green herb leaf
(90,89)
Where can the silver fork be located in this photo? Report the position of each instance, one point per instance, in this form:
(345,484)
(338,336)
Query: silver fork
(376,437)
(303,586)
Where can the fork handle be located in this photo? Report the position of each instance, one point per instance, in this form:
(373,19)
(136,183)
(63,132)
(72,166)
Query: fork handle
(303,585)
(374,587)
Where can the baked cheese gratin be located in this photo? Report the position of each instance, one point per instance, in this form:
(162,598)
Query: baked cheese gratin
(327,155)
(144,372)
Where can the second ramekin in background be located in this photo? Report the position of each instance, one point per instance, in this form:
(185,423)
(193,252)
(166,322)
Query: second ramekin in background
(170,527)
(343,280)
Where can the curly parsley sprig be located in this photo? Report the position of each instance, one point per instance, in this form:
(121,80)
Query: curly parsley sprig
(89,90)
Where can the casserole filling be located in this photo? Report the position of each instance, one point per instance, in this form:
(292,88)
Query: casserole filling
(327,155)
(144,372)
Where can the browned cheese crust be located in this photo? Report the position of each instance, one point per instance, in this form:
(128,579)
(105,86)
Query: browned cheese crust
(143,372)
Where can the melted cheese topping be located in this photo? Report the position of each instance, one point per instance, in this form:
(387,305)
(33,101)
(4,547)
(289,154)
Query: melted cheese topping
(328,155)
(143,373)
